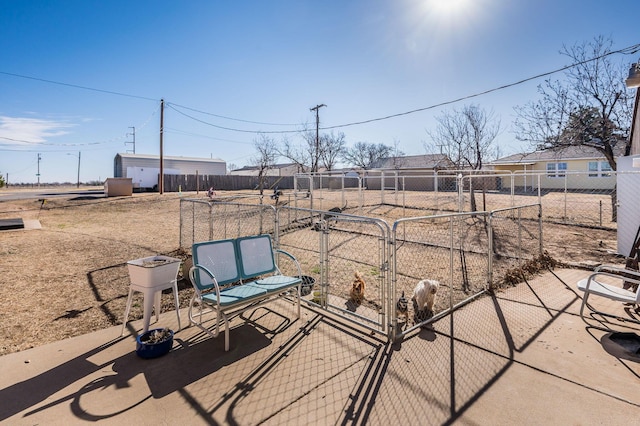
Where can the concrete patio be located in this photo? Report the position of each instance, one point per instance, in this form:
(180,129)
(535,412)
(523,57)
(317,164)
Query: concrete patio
(522,357)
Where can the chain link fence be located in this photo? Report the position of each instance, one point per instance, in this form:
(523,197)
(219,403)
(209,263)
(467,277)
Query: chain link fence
(204,220)
(465,253)
(572,198)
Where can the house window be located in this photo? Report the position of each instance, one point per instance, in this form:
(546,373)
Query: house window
(556,169)
(599,169)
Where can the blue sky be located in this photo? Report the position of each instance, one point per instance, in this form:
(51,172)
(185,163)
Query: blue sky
(233,64)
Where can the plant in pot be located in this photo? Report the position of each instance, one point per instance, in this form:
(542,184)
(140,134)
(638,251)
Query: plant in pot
(154,343)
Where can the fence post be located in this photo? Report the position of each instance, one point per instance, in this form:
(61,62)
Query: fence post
(513,188)
(565,196)
(381,186)
(600,213)
(210,221)
(540,248)
(395,189)
(392,288)
(451,249)
(324,264)
(460,193)
(491,253)
(435,188)
(342,190)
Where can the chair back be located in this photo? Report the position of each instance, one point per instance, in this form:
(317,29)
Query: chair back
(219,258)
(256,256)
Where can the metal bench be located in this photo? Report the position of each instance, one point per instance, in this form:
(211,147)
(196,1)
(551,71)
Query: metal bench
(234,275)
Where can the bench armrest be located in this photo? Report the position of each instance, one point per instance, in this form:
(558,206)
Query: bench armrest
(295,261)
(215,287)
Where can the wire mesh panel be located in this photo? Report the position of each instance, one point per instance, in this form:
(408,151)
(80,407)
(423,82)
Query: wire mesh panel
(298,235)
(332,248)
(205,220)
(485,192)
(441,261)
(516,234)
(438,261)
(356,268)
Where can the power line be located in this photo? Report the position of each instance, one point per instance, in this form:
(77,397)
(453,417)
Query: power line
(229,128)
(112,140)
(626,51)
(231,118)
(186,133)
(56,144)
(110,92)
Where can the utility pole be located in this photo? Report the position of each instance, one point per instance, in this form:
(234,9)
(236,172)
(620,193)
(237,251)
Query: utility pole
(38,174)
(78,181)
(78,184)
(134,139)
(161,181)
(314,167)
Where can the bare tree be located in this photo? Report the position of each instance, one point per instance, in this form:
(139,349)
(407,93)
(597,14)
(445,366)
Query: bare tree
(295,154)
(364,154)
(397,155)
(466,136)
(331,149)
(590,107)
(265,158)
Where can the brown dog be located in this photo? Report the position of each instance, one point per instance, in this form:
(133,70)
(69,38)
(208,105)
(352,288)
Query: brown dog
(357,289)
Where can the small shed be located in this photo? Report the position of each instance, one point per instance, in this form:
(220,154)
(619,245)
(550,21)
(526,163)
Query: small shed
(118,187)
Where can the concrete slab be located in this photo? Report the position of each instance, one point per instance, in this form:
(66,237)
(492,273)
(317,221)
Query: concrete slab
(521,357)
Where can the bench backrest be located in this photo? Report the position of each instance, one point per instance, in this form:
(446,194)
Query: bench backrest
(233,260)
(255,255)
(219,257)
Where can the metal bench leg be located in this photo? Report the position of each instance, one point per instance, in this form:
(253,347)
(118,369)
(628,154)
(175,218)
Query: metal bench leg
(126,311)
(175,297)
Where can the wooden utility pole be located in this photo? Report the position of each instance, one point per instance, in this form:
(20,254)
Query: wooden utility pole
(161,180)
(314,167)
(38,174)
(78,181)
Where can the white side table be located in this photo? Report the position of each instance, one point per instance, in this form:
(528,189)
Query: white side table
(151,275)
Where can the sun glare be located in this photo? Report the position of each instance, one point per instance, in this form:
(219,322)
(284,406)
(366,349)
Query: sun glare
(448,7)
(441,24)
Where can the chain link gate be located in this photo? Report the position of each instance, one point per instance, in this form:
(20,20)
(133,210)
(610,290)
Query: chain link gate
(333,247)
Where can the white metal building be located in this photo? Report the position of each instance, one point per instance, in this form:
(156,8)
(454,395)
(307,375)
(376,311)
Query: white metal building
(144,169)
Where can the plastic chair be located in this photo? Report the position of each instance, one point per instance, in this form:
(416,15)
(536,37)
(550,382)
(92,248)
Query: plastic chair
(614,283)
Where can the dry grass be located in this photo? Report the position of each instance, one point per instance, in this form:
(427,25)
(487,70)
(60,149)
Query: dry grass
(70,277)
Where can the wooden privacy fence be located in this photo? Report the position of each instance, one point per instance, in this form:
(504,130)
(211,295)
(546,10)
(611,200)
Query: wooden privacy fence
(175,183)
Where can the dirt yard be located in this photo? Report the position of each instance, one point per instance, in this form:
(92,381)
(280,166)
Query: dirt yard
(70,277)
